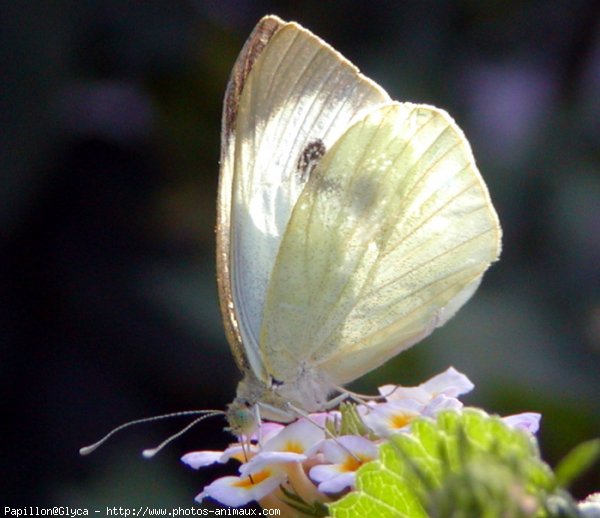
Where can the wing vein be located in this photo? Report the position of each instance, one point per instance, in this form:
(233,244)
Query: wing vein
(327,267)
(425,303)
(365,296)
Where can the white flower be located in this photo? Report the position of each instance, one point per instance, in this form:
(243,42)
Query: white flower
(346,454)
(386,419)
(238,491)
(590,507)
(298,459)
(290,445)
(450,383)
(528,421)
(200,459)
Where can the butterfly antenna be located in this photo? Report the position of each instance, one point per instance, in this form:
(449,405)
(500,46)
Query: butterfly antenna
(151,452)
(86,450)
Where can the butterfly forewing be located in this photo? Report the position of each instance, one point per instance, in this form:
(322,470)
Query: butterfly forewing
(255,44)
(390,236)
(291,97)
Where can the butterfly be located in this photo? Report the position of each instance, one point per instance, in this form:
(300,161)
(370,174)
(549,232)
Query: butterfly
(349,225)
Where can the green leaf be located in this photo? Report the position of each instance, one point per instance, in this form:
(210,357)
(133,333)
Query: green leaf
(577,461)
(463,464)
(380,492)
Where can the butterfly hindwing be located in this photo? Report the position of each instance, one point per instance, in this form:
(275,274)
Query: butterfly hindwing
(390,236)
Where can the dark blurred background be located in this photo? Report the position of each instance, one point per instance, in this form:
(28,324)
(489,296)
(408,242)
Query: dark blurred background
(109,156)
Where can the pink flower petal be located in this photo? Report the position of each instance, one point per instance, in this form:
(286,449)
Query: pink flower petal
(199,459)
(269,458)
(339,483)
(268,430)
(339,450)
(238,491)
(297,437)
(321,418)
(238,452)
(388,418)
(324,472)
(440,403)
(529,421)
(347,454)
(450,383)
(398,392)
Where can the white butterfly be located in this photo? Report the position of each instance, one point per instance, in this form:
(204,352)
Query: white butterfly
(349,225)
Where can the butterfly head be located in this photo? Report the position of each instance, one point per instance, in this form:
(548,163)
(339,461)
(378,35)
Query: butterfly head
(255,400)
(242,417)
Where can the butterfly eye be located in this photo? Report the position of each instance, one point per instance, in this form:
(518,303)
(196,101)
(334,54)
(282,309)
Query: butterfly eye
(241,418)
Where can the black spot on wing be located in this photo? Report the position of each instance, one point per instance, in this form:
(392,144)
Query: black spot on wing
(275,382)
(309,158)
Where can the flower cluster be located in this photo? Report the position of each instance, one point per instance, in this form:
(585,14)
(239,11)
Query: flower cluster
(314,460)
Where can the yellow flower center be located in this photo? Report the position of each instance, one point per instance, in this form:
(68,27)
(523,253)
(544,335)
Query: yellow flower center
(353,463)
(256,478)
(400,420)
(293,447)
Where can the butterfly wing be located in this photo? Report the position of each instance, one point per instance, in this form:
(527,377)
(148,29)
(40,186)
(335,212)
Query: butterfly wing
(255,44)
(390,236)
(290,97)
